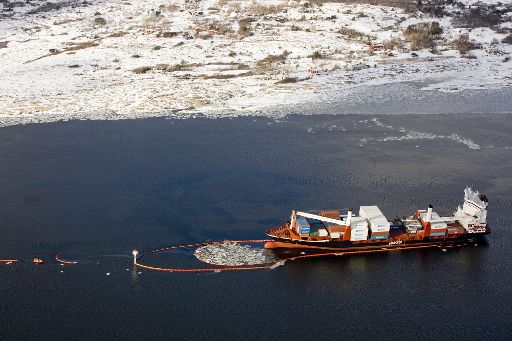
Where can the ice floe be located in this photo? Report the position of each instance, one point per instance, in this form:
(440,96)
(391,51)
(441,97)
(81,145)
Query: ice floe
(233,254)
(413,135)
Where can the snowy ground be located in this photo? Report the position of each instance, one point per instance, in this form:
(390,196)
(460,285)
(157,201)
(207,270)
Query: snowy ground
(119,59)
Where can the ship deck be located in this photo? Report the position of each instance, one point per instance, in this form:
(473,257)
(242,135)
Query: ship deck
(285,233)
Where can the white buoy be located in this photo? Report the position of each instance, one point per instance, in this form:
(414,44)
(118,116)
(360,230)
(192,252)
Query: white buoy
(135,253)
(108,273)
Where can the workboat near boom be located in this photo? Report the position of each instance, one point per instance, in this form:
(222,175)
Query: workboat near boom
(334,231)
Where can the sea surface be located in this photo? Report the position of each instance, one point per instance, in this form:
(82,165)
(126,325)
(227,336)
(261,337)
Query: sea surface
(94,190)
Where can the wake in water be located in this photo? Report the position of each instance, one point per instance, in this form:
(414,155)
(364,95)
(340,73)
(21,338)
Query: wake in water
(233,254)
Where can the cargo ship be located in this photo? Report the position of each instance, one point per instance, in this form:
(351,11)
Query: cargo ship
(335,231)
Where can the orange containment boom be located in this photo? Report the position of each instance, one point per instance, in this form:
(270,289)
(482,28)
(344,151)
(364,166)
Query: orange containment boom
(266,265)
(259,266)
(62,261)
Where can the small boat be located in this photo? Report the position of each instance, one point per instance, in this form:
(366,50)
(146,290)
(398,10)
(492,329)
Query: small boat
(37,261)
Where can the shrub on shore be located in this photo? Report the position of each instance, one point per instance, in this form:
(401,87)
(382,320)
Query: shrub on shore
(507,39)
(270,60)
(260,10)
(352,34)
(288,80)
(244,27)
(316,55)
(478,16)
(407,5)
(160,67)
(423,35)
(393,44)
(462,44)
(206,29)
(100,21)
(142,69)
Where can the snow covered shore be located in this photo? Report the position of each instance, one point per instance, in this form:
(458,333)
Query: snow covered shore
(117,59)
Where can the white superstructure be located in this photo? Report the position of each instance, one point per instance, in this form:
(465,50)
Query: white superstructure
(473,213)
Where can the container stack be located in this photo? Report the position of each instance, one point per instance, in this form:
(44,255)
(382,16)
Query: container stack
(397,225)
(438,229)
(303,228)
(455,230)
(317,228)
(316,233)
(379,225)
(358,229)
(412,225)
(336,231)
(314,226)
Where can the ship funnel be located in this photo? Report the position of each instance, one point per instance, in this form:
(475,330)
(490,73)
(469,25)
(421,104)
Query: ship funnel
(429,214)
(349,217)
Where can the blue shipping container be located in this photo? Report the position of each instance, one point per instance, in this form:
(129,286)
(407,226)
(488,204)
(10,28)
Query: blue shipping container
(316,223)
(302,221)
(304,230)
(303,226)
(437,234)
(379,237)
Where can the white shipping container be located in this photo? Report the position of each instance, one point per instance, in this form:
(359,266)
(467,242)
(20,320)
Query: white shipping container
(439,225)
(412,224)
(358,229)
(371,212)
(358,222)
(335,235)
(323,232)
(379,225)
(377,220)
(358,237)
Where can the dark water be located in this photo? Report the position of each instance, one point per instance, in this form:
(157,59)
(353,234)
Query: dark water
(95,190)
